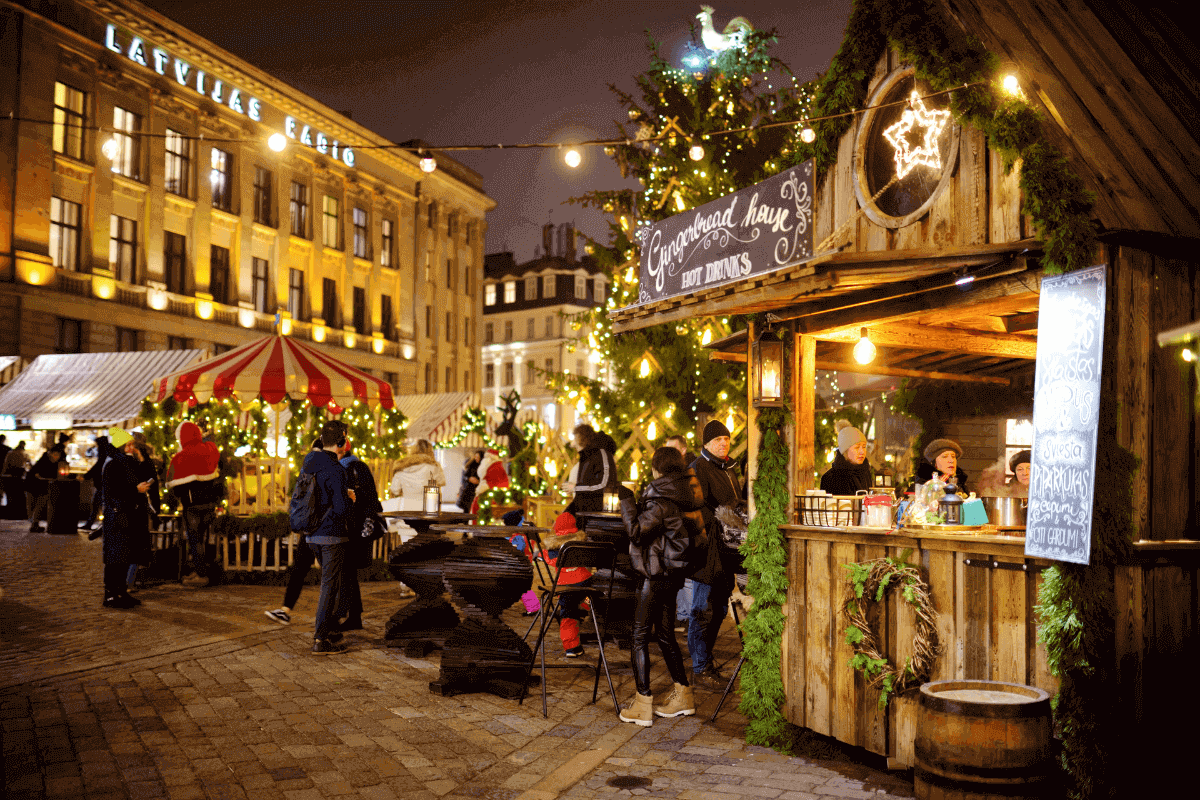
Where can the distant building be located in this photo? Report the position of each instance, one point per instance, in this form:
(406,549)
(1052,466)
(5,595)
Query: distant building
(144,209)
(527,332)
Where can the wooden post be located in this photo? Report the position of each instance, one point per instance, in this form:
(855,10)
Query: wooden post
(752,435)
(804,400)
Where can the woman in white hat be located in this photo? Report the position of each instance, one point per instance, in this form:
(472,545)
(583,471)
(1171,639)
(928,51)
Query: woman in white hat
(850,472)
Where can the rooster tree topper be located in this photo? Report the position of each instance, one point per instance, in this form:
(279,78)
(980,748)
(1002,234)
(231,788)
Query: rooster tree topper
(733,35)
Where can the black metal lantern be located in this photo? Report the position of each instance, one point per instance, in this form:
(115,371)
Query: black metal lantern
(767,378)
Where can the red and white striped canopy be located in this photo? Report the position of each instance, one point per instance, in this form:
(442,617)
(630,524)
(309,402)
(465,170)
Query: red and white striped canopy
(273,368)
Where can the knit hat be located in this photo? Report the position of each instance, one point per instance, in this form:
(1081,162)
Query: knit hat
(847,435)
(939,446)
(119,437)
(713,429)
(564,523)
(1019,457)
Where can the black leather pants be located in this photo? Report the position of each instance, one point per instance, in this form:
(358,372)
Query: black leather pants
(656,610)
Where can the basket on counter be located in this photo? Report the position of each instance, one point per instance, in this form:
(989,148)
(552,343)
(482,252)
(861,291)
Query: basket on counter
(829,510)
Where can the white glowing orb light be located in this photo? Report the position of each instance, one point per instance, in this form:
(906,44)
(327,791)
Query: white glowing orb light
(645,370)
(1012,85)
(110,149)
(808,135)
(696,152)
(933,122)
(1188,355)
(864,350)
(692,60)
(277,141)
(573,158)
(707,337)
(428,164)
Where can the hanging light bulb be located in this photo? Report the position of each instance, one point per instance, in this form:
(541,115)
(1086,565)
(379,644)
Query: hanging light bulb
(645,371)
(864,351)
(428,164)
(573,158)
(1012,85)
(808,135)
(729,420)
(633,472)
(696,152)
(110,148)
(277,141)
(652,431)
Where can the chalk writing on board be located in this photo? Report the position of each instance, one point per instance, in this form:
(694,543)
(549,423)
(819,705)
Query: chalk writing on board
(1066,404)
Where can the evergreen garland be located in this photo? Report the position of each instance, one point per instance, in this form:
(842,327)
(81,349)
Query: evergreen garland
(1054,196)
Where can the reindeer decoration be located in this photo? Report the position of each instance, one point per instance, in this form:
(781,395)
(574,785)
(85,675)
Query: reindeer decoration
(508,423)
(734,33)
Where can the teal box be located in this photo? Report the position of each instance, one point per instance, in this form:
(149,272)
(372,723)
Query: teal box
(973,513)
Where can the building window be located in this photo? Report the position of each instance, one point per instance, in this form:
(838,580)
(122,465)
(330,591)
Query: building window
(385,245)
(127,127)
(332,223)
(386,322)
(122,248)
(178,164)
(579,287)
(175,261)
(359,218)
(262,196)
(69,336)
(220,175)
(510,291)
(508,330)
(449,385)
(296,293)
(218,280)
(599,290)
(466,387)
(530,372)
(550,327)
(391,378)
(70,116)
(549,365)
(590,288)
(329,302)
(489,333)
(127,340)
(543,286)
(449,327)
(530,324)
(489,376)
(298,210)
(579,368)
(467,332)
(219,348)
(258,286)
(489,294)
(360,309)
(508,373)
(428,322)
(470,273)
(429,387)
(451,275)
(178,343)
(65,219)
(531,287)
(433,214)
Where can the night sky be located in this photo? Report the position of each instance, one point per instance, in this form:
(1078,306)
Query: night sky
(484,73)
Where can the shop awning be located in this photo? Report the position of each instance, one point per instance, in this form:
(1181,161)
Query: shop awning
(434,416)
(92,390)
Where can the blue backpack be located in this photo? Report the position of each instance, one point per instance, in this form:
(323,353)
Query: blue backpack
(303,516)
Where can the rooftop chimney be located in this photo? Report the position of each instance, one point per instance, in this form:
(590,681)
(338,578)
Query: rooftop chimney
(548,239)
(566,241)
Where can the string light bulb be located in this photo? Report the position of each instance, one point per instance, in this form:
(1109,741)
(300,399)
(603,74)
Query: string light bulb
(808,135)
(573,158)
(696,152)
(428,164)
(111,148)
(277,141)
(1012,85)
(1188,355)
(864,350)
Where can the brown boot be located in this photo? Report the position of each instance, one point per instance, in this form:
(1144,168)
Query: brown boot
(679,703)
(639,710)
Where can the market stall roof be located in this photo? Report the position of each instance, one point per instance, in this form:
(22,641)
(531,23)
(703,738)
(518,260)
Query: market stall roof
(93,390)
(435,416)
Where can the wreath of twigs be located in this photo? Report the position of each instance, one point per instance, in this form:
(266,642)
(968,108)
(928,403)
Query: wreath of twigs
(869,582)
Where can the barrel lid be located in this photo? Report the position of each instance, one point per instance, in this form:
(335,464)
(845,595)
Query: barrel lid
(995,699)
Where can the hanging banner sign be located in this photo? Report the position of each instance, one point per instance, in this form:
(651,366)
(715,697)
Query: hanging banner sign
(1066,405)
(750,232)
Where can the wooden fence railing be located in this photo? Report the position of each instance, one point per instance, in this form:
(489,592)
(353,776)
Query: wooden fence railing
(263,485)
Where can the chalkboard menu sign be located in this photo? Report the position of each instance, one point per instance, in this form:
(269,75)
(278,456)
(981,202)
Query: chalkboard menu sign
(1066,406)
(749,232)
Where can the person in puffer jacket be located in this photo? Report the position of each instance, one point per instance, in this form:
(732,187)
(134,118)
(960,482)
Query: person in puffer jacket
(666,533)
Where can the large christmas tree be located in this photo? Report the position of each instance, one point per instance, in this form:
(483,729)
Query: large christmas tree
(694,133)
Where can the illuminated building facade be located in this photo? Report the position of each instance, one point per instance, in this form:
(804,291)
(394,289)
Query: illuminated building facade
(527,325)
(142,208)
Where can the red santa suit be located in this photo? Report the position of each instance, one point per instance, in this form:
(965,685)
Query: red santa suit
(195,474)
(491,476)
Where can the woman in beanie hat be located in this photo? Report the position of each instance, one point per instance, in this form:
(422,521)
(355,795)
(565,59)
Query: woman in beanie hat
(850,472)
(941,456)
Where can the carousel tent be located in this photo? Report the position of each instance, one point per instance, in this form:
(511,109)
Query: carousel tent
(434,416)
(95,390)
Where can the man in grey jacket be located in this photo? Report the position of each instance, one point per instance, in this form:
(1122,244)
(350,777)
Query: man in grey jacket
(329,539)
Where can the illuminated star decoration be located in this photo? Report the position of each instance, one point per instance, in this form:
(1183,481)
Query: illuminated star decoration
(927,153)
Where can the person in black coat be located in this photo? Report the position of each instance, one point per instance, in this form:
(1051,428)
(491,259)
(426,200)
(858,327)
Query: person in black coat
(358,551)
(37,483)
(122,505)
(470,481)
(850,472)
(597,469)
(941,456)
(713,581)
(664,530)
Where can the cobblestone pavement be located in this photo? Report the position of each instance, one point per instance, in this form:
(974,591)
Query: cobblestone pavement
(196,694)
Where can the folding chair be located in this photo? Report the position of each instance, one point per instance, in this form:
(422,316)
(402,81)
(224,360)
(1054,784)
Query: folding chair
(593,555)
(737,626)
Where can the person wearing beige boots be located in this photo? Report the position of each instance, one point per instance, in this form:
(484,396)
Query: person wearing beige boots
(666,538)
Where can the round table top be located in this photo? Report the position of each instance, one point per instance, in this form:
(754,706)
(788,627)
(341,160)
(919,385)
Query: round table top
(491,530)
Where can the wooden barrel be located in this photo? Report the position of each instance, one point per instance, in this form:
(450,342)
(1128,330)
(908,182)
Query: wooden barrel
(983,739)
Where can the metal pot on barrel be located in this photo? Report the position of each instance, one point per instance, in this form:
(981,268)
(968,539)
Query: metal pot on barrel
(1006,512)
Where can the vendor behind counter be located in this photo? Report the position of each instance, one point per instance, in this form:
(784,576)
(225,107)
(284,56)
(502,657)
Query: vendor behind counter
(941,456)
(850,472)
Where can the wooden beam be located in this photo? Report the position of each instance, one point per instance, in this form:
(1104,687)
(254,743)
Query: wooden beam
(870,369)
(732,358)
(1009,304)
(1016,323)
(946,339)
(806,406)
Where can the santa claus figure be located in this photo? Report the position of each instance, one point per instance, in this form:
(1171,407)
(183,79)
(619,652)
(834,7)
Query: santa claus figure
(491,476)
(195,479)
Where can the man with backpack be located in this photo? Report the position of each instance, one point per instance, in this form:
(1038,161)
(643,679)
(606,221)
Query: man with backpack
(320,508)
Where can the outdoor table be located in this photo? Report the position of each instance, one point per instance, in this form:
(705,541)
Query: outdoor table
(485,574)
(62,506)
(423,623)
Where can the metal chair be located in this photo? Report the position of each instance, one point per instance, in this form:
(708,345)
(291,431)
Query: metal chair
(592,555)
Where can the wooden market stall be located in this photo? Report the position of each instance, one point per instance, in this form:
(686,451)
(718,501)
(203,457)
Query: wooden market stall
(943,273)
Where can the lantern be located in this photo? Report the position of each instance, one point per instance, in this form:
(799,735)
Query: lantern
(433,499)
(767,358)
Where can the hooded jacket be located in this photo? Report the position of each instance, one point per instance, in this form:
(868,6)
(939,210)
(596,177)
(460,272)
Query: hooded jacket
(666,529)
(597,474)
(846,478)
(195,475)
(333,504)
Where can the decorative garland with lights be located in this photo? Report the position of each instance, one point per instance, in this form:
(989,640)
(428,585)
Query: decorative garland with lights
(869,582)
